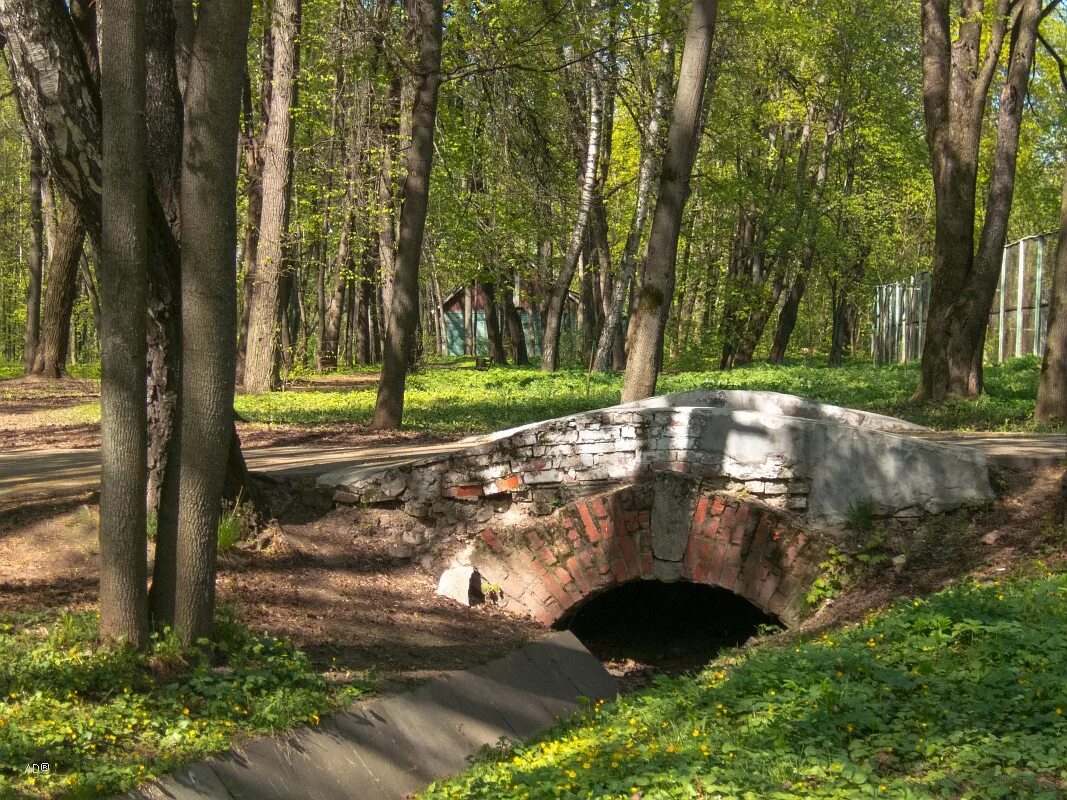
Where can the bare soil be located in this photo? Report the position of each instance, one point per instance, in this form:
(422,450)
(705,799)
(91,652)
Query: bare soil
(37,413)
(332,582)
(336,583)
(1025,523)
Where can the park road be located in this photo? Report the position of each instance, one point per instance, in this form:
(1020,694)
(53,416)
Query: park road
(37,474)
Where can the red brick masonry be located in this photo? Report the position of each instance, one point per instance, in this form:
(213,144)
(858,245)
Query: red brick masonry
(596,543)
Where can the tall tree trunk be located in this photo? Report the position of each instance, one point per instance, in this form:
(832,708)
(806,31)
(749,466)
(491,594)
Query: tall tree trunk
(651,147)
(1001,190)
(515,333)
(123,290)
(1052,389)
(956,80)
(403,311)
(470,346)
(557,303)
(587,305)
(654,300)
(164,155)
(787,319)
(90,290)
(252,153)
(50,360)
(35,262)
(332,327)
(209,300)
(366,335)
(492,326)
(277,191)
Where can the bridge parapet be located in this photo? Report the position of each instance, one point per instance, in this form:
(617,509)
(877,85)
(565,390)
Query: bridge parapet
(816,465)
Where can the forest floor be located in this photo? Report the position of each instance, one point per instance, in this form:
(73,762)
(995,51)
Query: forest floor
(327,579)
(327,608)
(37,413)
(357,611)
(451,399)
(939,678)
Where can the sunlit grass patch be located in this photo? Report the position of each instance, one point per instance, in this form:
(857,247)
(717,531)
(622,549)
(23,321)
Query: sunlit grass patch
(960,695)
(456,398)
(103,718)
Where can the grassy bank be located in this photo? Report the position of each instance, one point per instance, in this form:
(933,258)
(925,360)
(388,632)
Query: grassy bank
(454,398)
(962,695)
(459,399)
(103,718)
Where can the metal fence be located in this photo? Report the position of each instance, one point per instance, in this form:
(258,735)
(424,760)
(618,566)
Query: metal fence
(1018,318)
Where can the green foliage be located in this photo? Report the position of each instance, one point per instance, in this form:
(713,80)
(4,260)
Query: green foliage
(958,696)
(450,397)
(860,517)
(835,575)
(104,717)
(456,399)
(236,524)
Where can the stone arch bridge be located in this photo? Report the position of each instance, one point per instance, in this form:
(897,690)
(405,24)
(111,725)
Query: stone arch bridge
(740,490)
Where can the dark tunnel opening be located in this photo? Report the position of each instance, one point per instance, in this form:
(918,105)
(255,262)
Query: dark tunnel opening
(647,627)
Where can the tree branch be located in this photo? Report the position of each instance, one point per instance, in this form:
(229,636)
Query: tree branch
(1057,57)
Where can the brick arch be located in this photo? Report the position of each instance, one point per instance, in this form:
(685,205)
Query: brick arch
(669,528)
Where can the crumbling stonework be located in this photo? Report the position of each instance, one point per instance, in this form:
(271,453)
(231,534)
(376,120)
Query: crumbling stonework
(544,569)
(732,489)
(819,467)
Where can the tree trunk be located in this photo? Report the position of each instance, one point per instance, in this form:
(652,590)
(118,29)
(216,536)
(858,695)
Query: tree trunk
(956,79)
(123,291)
(332,327)
(515,333)
(403,313)
(609,334)
(35,261)
(50,360)
(164,155)
(1001,190)
(1052,389)
(497,353)
(787,320)
(253,162)
(209,301)
(277,184)
(470,346)
(557,304)
(90,290)
(587,306)
(654,300)
(365,335)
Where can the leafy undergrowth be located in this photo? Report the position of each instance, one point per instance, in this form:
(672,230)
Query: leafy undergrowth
(961,695)
(454,398)
(459,399)
(103,718)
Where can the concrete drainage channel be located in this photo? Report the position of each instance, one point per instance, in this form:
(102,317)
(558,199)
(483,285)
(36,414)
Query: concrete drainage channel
(385,749)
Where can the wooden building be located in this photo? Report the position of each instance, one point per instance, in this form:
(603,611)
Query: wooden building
(453,312)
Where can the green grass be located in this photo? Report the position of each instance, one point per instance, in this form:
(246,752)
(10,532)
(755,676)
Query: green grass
(962,695)
(460,399)
(88,370)
(454,398)
(105,717)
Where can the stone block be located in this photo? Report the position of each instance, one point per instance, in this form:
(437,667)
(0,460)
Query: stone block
(461,583)
(666,571)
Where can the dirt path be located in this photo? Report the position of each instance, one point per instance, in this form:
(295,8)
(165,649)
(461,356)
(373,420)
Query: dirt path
(36,474)
(330,581)
(1015,450)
